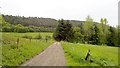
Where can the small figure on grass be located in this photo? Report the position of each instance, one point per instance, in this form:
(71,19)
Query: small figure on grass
(88,57)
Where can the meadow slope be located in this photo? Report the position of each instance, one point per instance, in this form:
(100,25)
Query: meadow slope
(100,55)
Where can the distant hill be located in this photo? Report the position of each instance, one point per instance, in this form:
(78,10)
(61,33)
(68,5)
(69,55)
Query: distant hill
(36,21)
(75,22)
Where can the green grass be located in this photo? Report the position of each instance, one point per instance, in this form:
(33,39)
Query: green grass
(43,34)
(101,55)
(11,56)
(74,53)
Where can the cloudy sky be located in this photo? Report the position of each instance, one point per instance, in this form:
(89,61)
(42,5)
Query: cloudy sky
(66,9)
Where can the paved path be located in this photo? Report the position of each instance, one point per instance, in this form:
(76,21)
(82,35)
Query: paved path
(52,56)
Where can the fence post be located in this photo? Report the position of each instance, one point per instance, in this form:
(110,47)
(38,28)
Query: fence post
(17,42)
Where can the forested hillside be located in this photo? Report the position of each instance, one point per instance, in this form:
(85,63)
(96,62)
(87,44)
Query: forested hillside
(36,21)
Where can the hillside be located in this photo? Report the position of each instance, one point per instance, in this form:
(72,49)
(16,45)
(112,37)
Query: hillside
(36,21)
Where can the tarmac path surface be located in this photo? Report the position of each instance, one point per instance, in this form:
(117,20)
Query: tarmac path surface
(51,56)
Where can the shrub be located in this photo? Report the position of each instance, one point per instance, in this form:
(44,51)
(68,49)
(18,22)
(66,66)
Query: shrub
(38,37)
(26,36)
(13,46)
(48,37)
(22,30)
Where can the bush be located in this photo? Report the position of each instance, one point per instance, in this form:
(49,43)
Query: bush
(22,30)
(13,46)
(26,36)
(47,37)
(30,29)
(38,37)
(7,29)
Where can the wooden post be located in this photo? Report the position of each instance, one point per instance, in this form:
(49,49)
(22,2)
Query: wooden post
(17,42)
(46,39)
(30,38)
(88,55)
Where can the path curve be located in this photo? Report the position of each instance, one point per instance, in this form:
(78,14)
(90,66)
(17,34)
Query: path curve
(52,56)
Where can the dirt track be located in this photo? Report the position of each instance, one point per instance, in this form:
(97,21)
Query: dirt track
(52,56)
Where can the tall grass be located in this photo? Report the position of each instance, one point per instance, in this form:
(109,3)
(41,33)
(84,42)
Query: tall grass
(11,56)
(100,55)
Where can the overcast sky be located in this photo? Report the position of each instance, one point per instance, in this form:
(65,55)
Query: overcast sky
(66,9)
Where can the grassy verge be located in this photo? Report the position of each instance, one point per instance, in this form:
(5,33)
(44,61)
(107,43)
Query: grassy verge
(100,55)
(11,56)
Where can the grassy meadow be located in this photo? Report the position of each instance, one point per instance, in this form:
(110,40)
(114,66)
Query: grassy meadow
(74,52)
(100,55)
(11,56)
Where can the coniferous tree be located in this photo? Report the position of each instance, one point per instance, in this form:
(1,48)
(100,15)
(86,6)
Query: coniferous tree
(111,37)
(64,31)
(96,36)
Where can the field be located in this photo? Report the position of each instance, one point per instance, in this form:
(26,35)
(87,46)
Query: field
(100,55)
(11,56)
(74,52)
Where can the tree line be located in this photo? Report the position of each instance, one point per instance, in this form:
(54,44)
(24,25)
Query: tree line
(74,31)
(35,21)
(23,29)
(23,24)
(9,27)
(88,32)
(30,21)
